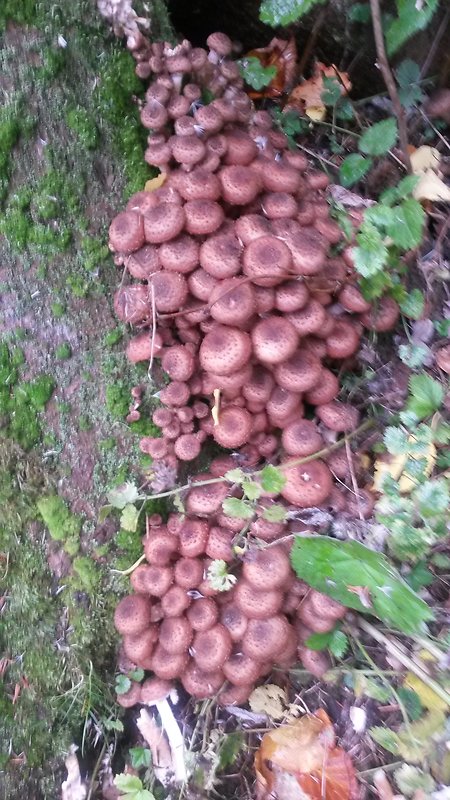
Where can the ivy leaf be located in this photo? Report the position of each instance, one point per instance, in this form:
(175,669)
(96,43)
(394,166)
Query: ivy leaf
(235,476)
(411,18)
(233,507)
(361,579)
(140,757)
(407,225)
(379,138)
(123,683)
(353,168)
(272,479)
(426,395)
(251,490)
(123,495)
(255,73)
(275,513)
(413,304)
(129,518)
(282,12)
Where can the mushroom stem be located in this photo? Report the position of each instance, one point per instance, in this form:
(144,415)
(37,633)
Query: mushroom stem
(175,738)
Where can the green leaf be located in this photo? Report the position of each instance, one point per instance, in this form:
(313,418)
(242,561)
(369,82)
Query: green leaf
(233,744)
(371,254)
(113,725)
(331,92)
(252,490)
(399,192)
(396,441)
(414,355)
(338,643)
(275,513)
(413,781)
(353,168)
(123,684)
(132,788)
(319,641)
(123,495)
(359,12)
(360,579)
(379,138)
(407,225)
(235,476)
(237,508)
(419,576)
(129,518)
(140,757)
(412,17)
(255,73)
(379,215)
(385,738)
(408,77)
(413,304)
(374,689)
(283,12)
(432,497)
(136,675)
(104,512)
(272,479)
(426,395)
(411,701)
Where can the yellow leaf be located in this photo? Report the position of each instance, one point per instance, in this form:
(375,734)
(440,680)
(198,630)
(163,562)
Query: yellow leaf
(155,183)
(431,187)
(424,158)
(316,113)
(394,467)
(269,699)
(426,695)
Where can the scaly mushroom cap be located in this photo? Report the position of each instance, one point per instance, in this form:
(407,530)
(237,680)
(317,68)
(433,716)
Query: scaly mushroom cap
(126,232)
(325,606)
(291,296)
(132,614)
(203,216)
(168,666)
(241,149)
(257,604)
(351,298)
(139,646)
(343,340)
(131,304)
(308,251)
(131,697)
(160,547)
(201,684)
(144,262)
(201,284)
(206,500)
(187,149)
(170,291)
(264,638)
(200,184)
(299,373)
(274,340)
(211,648)
(338,416)
(314,661)
(142,346)
(220,43)
(193,536)
(267,569)
(187,446)
(279,177)
(180,254)
(203,614)
(383,315)
(309,319)
(219,545)
(276,205)
(260,386)
(154,115)
(234,427)
(225,350)
(220,255)
(234,620)
(251,226)
(152,580)
(307,485)
(282,405)
(175,601)
(267,531)
(232,302)
(309,617)
(175,634)
(442,358)
(266,260)
(155,689)
(301,438)
(188,572)
(326,389)
(163,223)
(240,185)
(241,670)
(235,695)
(179,363)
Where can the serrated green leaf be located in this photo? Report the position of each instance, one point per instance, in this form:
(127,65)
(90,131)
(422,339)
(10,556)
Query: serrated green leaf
(407,72)
(272,479)
(413,304)
(426,395)
(255,73)
(411,701)
(374,689)
(234,507)
(319,641)
(396,441)
(353,168)
(339,643)
(379,138)
(411,18)
(235,476)
(123,495)
(419,576)
(331,91)
(379,215)
(385,738)
(371,254)
(406,229)
(401,191)
(283,12)
(232,745)
(252,490)
(432,497)
(129,518)
(275,513)
(360,579)
(123,684)
(140,757)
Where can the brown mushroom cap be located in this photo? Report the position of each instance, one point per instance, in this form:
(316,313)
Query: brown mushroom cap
(241,670)
(220,254)
(301,438)
(299,373)
(264,638)
(164,222)
(201,684)
(132,614)
(175,601)
(241,149)
(188,572)
(131,697)
(351,298)
(141,347)
(240,185)
(326,389)
(219,545)
(234,427)
(309,319)
(274,340)
(200,184)
(139,646)
(266,260)
(232,301)
(175,634)
(168,666)
(278,177)
(126,232)
(307,485)
(144,262)
(203,216)
(308,251)
(276,205)
(235,695)
(315,661)
(338,416)
(154,689)
(257,603)
(160,547)
(343,340)
(442,358)
(267,569)
(220,42)
(325,606)
(291,296)
(211,648)
(382,316)
(151,579)
(225,350)
(203,614)
(260,386)
(251,226)
(179,255)
(206,500)
(193,536)
(179,363)
(201,284)
(132,304)
(308,615)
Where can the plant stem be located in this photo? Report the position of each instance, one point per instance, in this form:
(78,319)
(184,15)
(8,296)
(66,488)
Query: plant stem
(389,80)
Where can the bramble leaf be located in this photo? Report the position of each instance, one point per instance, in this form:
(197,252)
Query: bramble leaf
(234,507)
(272,479)
(379,138)
(426,395)
(412,17)
(413,304)
(353,167)
(407,225)
(283,12)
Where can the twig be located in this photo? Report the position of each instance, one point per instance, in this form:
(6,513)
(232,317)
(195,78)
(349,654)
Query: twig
(436,42)
(355,486)
(437,132)
(395,649)
(388,78)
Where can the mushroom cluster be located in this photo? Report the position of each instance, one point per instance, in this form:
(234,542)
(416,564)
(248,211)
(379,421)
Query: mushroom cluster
(237,289)
(180,627)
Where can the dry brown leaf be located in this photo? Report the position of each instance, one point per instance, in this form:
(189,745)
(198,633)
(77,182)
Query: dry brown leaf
(431,187)
(155,183)
(423,158)
(269,699)
(301,760)
(307,96)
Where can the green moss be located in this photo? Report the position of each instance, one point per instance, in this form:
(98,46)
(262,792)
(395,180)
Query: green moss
(78,285)
(84,423)
(58,310)
(118,399)
(24,12)
(64,351)
(21,402)
(61,523)
(93,253)
(53,62)
(81,123)
(113,337)
(87,572)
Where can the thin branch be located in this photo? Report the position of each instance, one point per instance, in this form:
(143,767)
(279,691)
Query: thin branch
(389,80)
(436,42)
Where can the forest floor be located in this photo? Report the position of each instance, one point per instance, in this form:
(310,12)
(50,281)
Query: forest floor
(70,154)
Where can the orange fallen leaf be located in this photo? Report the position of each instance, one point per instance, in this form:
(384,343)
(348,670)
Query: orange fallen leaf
(282,55)
(301,761)
(155,183)
(307,96)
